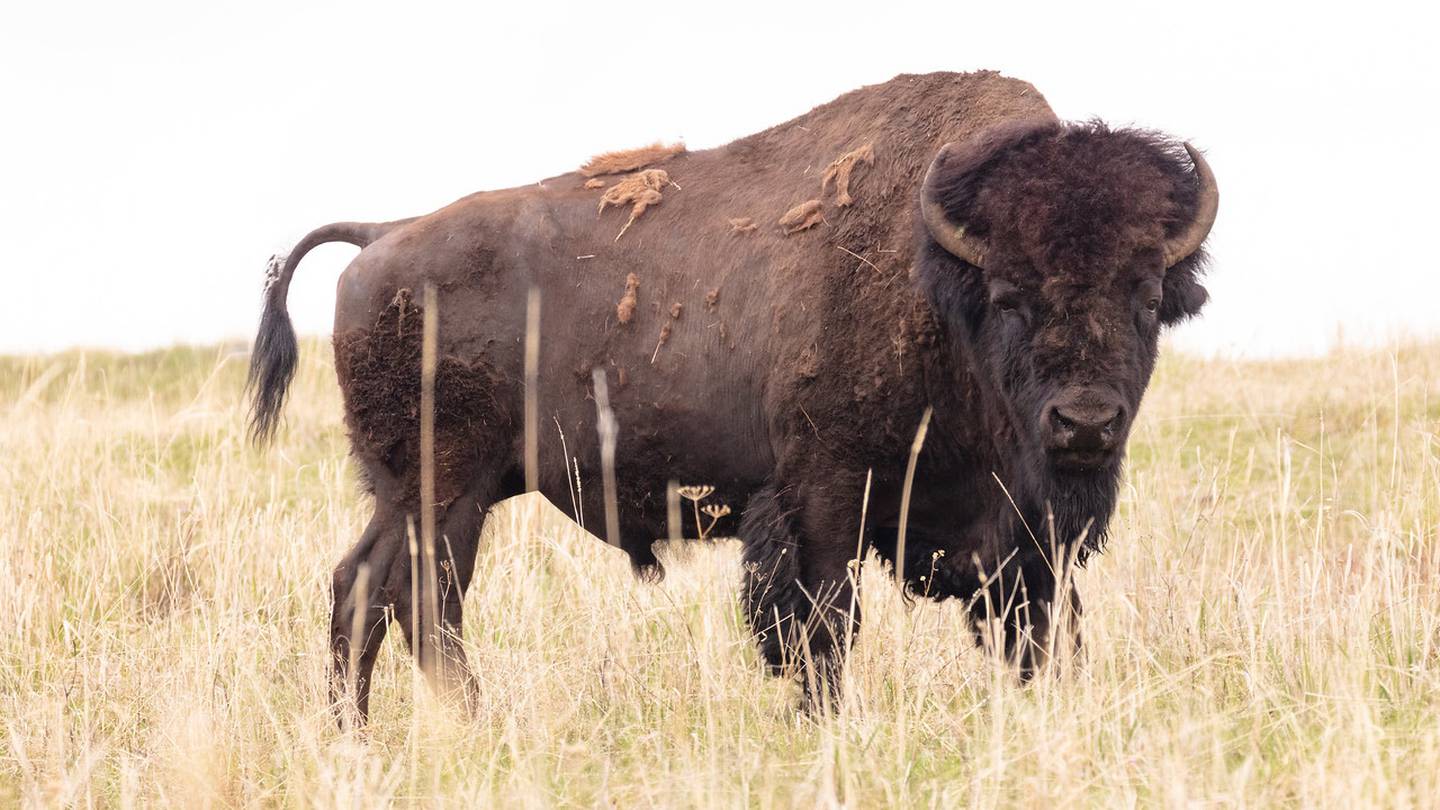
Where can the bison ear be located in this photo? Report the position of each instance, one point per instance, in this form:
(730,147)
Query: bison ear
(955,289)
(1184,255)
(1183,296)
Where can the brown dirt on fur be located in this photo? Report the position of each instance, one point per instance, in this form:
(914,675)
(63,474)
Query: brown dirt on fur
(625,310)
(594,182)
(628,160)
(675,310)
(641,190)
(839,172)
(742,225)
(712,299)
(805,215)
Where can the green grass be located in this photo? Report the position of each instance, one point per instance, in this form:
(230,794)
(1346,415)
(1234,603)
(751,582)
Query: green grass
(1263,629)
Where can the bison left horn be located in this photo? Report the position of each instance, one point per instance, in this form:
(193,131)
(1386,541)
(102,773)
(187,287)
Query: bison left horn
(1188,241)
(948,233)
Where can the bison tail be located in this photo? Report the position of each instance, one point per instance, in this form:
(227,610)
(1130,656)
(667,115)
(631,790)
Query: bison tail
(273,358)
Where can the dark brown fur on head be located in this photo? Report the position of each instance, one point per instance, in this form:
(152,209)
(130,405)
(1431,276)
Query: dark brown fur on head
(1069,304)
(1066,207)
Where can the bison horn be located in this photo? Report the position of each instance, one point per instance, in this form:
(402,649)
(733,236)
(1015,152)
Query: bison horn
(1188,241)
(947,232)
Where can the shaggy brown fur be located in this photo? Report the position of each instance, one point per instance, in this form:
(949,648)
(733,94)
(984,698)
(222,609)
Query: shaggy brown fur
(839,172)
(381,380)
(594,182)
(805,215)
(823,365)
(628,160)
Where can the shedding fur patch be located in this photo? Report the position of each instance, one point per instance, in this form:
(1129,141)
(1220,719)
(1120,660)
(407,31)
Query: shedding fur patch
(628,160)
(742,225)
(625,310)
(594,182)
(379,372)
(640,190)
(805,215)
(839,173)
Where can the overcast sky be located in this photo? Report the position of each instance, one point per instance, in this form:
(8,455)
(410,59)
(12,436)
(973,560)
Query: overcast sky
(154,154)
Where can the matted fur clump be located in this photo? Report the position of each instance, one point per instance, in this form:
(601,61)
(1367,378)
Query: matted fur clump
(625,310)
(807,214)
(641,190)
(839,172)
(628,160)
(742,225)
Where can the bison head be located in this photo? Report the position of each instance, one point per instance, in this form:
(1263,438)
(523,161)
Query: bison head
(1057,252)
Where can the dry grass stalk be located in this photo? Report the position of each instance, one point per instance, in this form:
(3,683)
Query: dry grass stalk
(429,601)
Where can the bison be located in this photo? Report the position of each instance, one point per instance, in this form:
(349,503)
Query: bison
(918,319)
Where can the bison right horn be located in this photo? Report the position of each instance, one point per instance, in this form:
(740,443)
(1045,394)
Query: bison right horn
(947,232)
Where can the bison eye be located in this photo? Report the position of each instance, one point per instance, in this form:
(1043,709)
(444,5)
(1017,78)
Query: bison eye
(1152,306)
(1008,303)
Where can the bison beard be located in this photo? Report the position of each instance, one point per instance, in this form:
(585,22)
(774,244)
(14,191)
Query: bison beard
(968,254)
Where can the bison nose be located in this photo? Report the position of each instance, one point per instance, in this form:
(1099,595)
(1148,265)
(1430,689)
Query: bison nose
(1084,426)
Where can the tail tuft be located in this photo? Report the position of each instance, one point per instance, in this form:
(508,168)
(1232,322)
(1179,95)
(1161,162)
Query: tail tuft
(272,360)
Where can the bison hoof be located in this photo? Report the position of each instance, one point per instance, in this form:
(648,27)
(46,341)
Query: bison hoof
(650,573)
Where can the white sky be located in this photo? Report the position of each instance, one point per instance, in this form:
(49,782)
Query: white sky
(154,154)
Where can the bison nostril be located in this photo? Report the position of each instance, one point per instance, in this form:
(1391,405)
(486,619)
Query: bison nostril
(1059,422)
(1114,423)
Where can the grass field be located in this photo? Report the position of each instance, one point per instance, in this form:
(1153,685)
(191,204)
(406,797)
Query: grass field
(1263,630)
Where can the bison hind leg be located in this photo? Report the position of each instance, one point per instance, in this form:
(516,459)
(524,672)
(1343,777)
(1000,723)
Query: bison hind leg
(360,613)
(378,580)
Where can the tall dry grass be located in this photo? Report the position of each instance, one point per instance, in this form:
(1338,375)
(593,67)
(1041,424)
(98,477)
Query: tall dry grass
(1264,628)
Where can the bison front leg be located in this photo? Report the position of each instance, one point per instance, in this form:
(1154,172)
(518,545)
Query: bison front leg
(1029,607)
(799,596)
